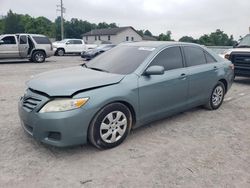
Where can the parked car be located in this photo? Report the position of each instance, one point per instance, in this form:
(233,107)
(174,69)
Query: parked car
(29,46)
(126,87)
(90,54)
(71,46)
(240,57)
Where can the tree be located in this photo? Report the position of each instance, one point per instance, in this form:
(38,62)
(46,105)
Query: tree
(165,37)
(1,26)
(217,38)
(187,39)
(148,33)
(12,23)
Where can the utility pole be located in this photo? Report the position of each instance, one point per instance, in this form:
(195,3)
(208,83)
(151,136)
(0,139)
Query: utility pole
(62,10)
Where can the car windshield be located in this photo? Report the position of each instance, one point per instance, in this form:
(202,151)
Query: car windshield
(62,41)
(245,42)
(120,60)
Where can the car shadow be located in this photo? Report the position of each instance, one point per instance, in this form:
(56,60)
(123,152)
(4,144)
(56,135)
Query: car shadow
(242,80)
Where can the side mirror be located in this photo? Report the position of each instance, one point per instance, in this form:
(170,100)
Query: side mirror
(1,42)
(235,44)
(154,70)
(67,43)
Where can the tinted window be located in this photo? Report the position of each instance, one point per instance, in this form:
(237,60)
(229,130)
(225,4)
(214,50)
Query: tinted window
(169,58)
(70,42)
(121,59)
(77,42)
(42,40)
(23,39)
(194,56)
(209,58)
(9,40)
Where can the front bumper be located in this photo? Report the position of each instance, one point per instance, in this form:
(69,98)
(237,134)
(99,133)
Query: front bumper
(56,128)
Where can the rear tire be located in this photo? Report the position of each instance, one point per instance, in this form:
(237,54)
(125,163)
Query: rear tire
(110,126)
(216,97)
(60,52)
(38,57)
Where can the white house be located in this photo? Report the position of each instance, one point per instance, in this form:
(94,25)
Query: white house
(113,35)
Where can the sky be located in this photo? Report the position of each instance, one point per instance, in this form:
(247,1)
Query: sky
(182,17)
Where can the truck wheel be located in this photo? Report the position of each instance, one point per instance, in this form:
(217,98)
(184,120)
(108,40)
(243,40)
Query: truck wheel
(60,52)
(38,57)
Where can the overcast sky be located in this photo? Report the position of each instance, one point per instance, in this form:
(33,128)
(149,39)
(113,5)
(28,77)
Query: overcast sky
(182,17)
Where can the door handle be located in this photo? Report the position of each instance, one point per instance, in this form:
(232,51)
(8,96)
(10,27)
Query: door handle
(215,68)
(183,76)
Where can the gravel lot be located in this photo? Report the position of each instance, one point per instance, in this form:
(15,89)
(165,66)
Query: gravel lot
(198,148)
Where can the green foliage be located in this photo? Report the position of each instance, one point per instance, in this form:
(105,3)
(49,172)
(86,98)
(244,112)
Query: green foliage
(165,37)
(18,23)
(148,33)
(188,39)
(1,26)
(217,38)
(12,23)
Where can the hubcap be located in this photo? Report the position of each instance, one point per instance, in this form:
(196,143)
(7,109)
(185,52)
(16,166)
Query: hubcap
(217,95)
(39,57)
(113,126)
(60,52)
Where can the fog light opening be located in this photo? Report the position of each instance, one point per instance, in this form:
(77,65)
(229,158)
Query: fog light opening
(54,136)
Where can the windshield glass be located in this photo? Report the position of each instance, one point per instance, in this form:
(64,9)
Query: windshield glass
(121,59)
(62,41)
(245,41)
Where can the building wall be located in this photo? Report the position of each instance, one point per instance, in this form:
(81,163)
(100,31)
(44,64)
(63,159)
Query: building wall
(115,39)
(122,36)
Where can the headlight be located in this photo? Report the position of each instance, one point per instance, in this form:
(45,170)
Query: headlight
(60,105)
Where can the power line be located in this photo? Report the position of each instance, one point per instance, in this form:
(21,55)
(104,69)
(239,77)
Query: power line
(62,10)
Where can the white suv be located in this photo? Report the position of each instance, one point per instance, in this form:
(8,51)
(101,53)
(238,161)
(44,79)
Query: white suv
(69,46)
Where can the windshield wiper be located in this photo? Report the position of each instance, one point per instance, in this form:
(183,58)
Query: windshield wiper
(97,69)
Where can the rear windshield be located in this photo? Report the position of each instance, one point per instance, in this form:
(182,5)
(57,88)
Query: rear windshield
(120,60)
(42,40)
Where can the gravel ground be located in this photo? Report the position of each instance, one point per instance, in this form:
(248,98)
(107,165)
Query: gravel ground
(197,148)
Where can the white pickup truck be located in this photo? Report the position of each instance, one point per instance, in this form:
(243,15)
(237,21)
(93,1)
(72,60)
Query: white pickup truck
(71,46)
(240,57)
(25,46)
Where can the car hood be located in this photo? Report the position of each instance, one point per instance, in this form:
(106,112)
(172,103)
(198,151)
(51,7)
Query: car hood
(65,82)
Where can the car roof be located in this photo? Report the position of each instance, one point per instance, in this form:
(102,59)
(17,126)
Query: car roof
(156,44)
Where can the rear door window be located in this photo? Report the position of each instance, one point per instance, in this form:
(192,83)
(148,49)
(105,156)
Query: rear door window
(170,58)
(209,58)
(194,56)
(42,40)
(77,42)
(23,39)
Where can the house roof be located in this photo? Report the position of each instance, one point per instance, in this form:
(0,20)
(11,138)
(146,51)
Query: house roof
(149,38)
(108,31)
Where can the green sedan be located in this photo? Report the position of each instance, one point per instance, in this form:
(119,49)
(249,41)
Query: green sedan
(129,86)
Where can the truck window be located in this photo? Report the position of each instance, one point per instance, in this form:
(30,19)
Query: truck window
(23,39)
(9,40)
(42,40)
(77,42)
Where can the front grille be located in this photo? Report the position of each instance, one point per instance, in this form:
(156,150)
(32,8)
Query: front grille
(241,59)
(30,103)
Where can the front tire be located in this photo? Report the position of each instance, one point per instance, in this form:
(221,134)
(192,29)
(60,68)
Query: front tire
(217,97)
(110,126)
(38,57)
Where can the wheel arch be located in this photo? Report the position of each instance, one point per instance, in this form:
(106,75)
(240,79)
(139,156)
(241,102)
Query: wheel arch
(36,50)
(225,84)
